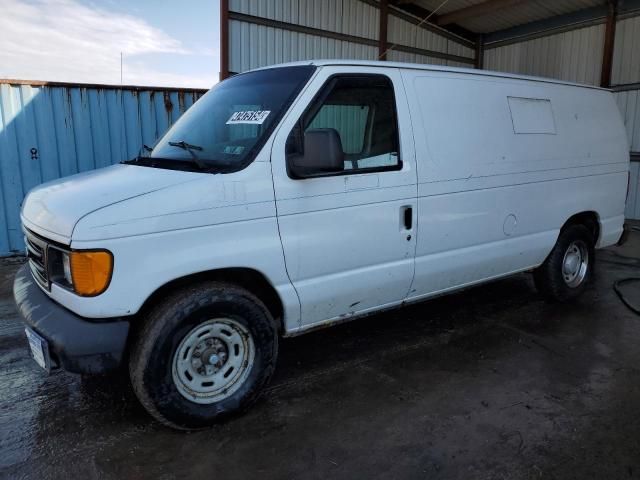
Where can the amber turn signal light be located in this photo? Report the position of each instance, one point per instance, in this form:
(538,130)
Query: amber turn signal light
(91,271)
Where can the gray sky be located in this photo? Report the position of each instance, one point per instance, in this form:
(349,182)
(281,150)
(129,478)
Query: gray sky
(164,42)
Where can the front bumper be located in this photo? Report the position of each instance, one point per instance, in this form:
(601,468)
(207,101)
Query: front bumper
(76,344)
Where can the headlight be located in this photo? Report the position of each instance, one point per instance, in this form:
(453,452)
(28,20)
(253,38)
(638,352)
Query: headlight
(88,272)
(66,267)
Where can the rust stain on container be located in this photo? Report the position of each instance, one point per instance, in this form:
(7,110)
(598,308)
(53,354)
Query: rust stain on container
(181,101)
(168,106)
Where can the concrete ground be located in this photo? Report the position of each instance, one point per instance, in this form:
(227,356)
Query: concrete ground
(490,383)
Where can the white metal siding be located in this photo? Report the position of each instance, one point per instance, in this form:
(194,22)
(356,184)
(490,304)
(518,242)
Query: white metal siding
(397,56)
(406,33)
(455,48)
(574,56)
(626,55)
(351,17)
(629,104)
(253,46)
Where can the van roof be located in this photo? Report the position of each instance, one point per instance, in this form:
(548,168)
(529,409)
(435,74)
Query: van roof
(433,68)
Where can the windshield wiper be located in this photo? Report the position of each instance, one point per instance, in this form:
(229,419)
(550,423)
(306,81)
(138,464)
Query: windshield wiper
(190,148)
(185,146)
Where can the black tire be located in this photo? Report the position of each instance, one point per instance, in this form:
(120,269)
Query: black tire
(167,323)
(549,278)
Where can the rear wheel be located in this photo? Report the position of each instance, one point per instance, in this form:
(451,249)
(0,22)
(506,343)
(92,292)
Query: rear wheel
(203,354)
(568,268)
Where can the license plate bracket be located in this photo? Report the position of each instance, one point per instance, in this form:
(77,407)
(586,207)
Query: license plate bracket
(39,348)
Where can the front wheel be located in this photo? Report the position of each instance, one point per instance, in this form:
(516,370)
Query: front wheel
(203,354)
(568,268)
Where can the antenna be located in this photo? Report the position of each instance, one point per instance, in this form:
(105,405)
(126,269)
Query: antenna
(120,68)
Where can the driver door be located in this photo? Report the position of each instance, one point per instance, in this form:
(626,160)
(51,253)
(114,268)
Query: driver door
(349,236)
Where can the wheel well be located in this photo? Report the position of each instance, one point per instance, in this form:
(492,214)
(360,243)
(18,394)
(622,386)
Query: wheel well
(252,280)
(589,220)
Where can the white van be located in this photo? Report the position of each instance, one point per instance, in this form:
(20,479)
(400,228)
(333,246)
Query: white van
(294,197)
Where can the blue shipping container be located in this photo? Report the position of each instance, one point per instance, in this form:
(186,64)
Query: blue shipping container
(52,130)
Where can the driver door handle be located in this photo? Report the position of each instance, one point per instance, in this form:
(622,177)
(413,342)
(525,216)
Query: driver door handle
(407,217)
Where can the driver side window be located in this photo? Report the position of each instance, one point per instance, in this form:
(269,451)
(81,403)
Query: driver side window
(361,110)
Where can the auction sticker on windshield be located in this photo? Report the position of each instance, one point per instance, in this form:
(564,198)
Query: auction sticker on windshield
(251,117)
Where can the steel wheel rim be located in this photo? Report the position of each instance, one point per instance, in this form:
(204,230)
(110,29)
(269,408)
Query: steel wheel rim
(575,264)
(213,360)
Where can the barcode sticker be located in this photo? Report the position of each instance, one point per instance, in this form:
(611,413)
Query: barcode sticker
(251,117)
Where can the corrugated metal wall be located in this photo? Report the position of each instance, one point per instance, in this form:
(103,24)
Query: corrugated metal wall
(351,17)
(48,132)
(629,104)
(626,54)
(633,201)
(252,45)
(403,32)
(575,56)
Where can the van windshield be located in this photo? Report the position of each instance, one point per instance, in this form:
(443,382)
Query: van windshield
(225,129)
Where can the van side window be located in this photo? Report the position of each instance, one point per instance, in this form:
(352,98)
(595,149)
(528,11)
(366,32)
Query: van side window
(362,110)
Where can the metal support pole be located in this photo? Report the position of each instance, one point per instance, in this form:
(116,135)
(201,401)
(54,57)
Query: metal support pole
(609,41)
(479,63)
(382,32)
(224,39)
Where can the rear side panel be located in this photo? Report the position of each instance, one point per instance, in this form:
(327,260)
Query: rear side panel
(502,164)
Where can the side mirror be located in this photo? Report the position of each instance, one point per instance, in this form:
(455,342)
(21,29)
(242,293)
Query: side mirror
(322,154)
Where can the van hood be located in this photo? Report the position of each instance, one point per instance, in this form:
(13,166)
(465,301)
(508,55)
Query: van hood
(56,207)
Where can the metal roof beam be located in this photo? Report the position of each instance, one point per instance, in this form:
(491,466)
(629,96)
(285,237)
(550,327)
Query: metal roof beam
(477,10)
(559,23)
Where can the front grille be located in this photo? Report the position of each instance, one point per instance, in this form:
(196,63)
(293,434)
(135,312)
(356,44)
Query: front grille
(37,249)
